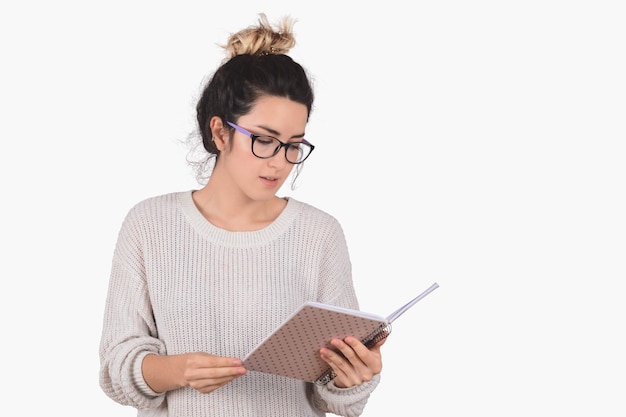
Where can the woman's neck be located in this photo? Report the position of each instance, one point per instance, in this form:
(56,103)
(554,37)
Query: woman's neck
(236,213)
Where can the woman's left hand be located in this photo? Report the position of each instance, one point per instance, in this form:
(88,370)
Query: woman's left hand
(358,363)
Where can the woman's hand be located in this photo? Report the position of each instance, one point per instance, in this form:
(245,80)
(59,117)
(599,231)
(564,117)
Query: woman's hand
(355,364)
(200,371)
(206,373)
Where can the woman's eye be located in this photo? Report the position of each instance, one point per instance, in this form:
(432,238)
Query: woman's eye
(265,140)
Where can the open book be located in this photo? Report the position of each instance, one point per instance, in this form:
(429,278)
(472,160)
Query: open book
(293,349)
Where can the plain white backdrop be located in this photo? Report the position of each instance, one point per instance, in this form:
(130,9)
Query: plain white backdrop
(476,144)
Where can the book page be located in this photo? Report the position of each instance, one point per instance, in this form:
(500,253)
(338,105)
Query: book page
(411,303)
(350,311)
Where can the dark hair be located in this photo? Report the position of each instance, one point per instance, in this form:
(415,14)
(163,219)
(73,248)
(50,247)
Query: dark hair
(256,65)
(241,81)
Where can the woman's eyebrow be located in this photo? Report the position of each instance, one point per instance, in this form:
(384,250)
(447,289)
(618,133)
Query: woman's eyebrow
(276,133)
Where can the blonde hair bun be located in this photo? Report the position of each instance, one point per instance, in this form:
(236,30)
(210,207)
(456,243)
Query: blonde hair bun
(262,39)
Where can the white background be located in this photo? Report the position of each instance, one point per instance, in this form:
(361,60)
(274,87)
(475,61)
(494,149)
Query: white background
(476,144)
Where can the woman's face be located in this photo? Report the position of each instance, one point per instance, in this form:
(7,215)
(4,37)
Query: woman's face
(257,178)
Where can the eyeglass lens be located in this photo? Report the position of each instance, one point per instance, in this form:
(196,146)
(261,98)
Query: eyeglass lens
(267,146)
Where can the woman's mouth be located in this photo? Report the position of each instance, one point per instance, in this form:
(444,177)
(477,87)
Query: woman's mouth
(270,181)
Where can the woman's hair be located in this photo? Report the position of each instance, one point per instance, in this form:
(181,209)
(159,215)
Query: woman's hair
(256,65)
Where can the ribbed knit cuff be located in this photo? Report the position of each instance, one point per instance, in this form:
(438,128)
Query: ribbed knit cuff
(138,379)
(347,401)
(366,387)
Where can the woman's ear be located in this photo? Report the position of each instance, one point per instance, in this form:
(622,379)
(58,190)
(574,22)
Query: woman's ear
(219,132)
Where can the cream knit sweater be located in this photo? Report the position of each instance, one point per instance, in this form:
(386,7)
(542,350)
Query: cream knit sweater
(179,284)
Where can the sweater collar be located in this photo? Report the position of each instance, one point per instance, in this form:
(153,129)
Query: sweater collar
(228,238)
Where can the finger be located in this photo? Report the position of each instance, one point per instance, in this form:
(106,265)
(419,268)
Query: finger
(209,385)
(351,352)
(345,376)
(378,345)
(208,373)
(345,362)
(371,358)
(212,361)
(364,362)
(215,381)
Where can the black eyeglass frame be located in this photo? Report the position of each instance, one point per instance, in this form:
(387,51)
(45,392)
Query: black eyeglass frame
(285,145)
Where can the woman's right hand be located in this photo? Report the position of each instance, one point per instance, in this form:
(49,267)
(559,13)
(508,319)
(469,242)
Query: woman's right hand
(200,371)
(206,373)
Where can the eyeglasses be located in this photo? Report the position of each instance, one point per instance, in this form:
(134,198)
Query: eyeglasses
(264,146)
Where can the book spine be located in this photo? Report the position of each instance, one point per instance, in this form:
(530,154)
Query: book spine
(370,341)
(376,336)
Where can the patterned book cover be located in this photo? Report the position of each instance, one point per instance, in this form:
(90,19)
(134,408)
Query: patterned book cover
(293,349)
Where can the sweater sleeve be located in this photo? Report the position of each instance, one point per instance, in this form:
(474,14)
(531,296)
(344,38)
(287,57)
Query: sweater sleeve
(348,402)
(129,330)
(337,288)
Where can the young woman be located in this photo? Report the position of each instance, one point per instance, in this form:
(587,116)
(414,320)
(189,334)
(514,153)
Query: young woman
(200,277)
